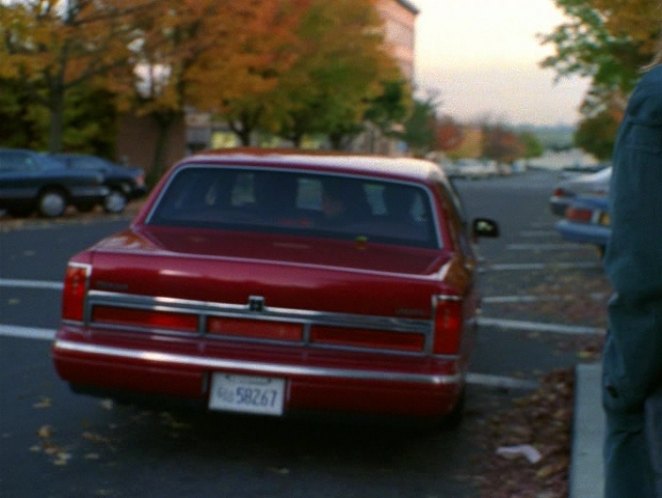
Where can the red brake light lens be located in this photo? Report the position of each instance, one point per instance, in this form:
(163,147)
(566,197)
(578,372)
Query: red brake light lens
(378,339)
(256,329)
(448,325)
(579,214)
(75,288)
(153,319)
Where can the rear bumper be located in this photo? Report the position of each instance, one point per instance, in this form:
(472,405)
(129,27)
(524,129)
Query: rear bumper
(583,233)
(186,375)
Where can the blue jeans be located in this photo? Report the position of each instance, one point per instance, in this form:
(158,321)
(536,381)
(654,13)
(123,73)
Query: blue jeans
(653,411)
(628,468)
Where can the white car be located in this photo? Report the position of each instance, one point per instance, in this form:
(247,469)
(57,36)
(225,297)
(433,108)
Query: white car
(567,190)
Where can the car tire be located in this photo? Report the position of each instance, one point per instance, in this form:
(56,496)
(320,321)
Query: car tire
(52,203)
(115,202)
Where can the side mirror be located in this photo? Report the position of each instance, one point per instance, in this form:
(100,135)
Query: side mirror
(484,227)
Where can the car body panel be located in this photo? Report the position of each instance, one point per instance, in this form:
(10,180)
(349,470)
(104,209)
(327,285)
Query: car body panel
(343,322)
(586,221)
(585,184)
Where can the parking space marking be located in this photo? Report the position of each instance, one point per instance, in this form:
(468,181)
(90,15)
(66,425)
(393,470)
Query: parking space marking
(540,327)
(500,382)
(487,380)
(524,299)
(586,265)
(539,233)
(31,284)
(546,247)
(27,332)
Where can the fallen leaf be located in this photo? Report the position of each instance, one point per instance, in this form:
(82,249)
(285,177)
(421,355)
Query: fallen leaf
(107,404)
(45,431)
(44,402)
(95,438)
(281,471)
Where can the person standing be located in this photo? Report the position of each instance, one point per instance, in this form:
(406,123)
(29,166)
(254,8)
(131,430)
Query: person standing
(632,360)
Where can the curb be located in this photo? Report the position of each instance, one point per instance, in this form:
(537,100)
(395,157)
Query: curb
(586,479)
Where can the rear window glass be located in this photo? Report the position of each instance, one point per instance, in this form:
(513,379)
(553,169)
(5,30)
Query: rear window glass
(298,203)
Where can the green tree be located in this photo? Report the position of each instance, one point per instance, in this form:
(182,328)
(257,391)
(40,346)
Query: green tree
(420,128)
(341,72)
(607,41)
(531,145)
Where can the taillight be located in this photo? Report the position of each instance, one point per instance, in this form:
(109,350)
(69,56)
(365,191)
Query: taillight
(448,325)
(579,214)
(371,339)
(153,319)
(256,329)
(560,192)
(75,287)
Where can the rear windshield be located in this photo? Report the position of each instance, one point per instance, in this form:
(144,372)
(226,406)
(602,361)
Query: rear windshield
(298,203)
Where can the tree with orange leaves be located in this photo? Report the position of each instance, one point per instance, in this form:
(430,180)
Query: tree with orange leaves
(54,47)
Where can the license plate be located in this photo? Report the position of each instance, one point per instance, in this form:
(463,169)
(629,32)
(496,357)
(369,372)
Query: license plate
(247,394)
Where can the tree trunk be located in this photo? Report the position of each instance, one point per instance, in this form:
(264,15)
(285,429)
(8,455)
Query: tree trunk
(164,122)
(56,125)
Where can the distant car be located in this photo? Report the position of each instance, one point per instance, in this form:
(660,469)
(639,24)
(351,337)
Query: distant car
(587,221)
(30,181)
(472,169)
(270,282)
(124,183)
(592,184)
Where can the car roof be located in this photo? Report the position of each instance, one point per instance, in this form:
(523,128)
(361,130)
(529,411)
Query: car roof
(393,167)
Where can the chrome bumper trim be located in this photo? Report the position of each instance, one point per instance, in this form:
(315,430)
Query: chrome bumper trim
(256,367)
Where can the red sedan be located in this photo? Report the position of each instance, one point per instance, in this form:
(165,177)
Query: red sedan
(269,282)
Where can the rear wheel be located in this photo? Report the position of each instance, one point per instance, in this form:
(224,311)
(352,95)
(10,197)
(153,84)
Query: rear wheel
(52,203)
(115,202)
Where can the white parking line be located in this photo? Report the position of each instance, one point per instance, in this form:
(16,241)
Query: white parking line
(500,382)
(473,378)
(546,247)
(539,327)
(543,266)
(538,233)
(31,284)
(497,381)
(524,299)
(27,332)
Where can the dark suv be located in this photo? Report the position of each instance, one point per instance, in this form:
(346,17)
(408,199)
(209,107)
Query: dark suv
(124,183)
(31,181)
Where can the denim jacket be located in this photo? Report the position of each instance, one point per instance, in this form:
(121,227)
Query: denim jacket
(633,353)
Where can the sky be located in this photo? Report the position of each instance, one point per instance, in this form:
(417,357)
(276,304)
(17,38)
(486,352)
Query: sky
(482,59)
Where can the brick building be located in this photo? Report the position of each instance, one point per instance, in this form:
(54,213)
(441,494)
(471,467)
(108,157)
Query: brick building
(400,32)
